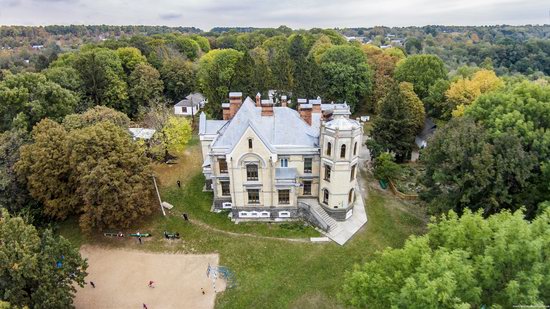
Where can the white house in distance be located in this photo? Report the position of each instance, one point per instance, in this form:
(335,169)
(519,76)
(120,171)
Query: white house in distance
(190,106)
(273,163)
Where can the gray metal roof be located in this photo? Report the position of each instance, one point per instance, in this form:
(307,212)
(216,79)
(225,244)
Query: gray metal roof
(192,99)
(142,133)
(210,126)
(284,128)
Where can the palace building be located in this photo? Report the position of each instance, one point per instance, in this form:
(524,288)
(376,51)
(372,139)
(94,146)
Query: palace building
(267,161)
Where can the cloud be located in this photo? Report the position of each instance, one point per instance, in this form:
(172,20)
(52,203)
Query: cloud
(171,16)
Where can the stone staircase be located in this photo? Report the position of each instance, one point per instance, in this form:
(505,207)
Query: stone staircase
(334,227)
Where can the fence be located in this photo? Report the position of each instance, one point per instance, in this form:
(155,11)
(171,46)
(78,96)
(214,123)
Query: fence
(401,195)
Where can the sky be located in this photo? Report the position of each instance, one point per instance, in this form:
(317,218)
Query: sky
(296,14)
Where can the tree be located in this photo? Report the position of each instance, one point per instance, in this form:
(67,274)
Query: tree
(385,168)
(466,168)
(301,71)
(130,58)
(415,107)
(465,91)
(280,63)
(462,262)
(13,190)
(436,101)
(96,171)
(422,71)
(26,98)
(103,78)
(394,129)
(38,270)
(187,46)
(243,81)
(215,75)
(95,115)
(145,86)
(176,134)
(346,75)
(383,65)
(178,76)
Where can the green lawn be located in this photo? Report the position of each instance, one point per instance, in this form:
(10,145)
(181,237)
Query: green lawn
(271,273)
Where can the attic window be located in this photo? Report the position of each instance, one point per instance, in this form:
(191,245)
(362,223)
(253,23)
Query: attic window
(249,143)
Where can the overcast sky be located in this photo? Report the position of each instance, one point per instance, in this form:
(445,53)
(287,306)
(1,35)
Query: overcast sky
(206,14)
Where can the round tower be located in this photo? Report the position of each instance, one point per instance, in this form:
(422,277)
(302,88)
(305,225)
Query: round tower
(340,142)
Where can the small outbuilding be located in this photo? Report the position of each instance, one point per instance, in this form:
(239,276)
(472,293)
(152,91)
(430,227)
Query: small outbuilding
(191,105)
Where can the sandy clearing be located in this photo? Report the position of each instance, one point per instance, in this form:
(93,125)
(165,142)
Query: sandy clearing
(121,278)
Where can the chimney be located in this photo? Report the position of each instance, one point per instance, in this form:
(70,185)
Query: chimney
(258,100)
(316,105)
(235,101)
(225,107)
(284,102)
(305,112)
(267,108)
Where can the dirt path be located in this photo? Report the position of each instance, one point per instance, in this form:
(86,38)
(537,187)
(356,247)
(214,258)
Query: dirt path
(206,226)
(121,280)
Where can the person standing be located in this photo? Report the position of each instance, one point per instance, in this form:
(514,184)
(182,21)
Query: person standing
(92,284)
(139,239)
(179,184)
(151,282)
(145,306)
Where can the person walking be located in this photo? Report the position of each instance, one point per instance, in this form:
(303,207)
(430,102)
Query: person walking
(151,282)
(92,284)
(202,290)
(139,239)
(179,184)
(145,306)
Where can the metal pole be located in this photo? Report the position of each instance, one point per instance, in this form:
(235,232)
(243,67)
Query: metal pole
(158,194)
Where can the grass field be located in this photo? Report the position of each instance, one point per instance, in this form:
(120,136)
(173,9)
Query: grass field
(271,273)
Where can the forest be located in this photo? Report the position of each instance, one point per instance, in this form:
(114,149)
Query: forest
(68,95)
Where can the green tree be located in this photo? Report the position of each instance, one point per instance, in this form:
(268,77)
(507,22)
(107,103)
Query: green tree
(26,98)
(187,46)
(436,101)
(176,134)
(178,76)
(422,71)
(215,75)
(466,168)
(394,128)
(145,86)
(130,58)
(103,78)
(38,270)
(13,190)
(346,75)
(243,81)
(415,107)
(385,168)
(462,262)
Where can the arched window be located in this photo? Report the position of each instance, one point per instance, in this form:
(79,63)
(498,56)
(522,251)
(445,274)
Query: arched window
(355,149)
(325,196)
(343,151)
(329,148)
(350,197)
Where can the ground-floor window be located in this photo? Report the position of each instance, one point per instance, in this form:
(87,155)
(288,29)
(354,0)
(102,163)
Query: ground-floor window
(325,196)
(225,188)
(307,187)
(284,196)
(253,196)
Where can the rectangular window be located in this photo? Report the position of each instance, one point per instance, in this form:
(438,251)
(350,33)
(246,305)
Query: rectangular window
(225,188)
(253,196)
(284,162)
(222,164)
(249,143)
(252,172)
(284,196)
(307,187)
(308,162)
(352,176)
(184,109)
(327,172)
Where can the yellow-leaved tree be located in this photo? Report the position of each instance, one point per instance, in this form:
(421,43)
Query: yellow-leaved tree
(177,133)
(465,91)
